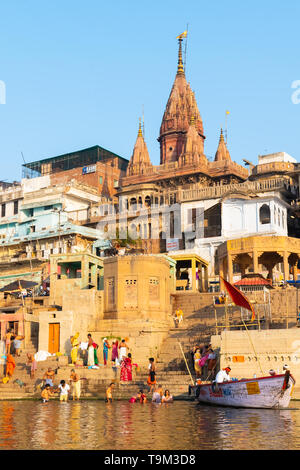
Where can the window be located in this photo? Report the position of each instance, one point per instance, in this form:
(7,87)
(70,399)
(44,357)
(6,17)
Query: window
(192,219)
(101,179)
(3,210)
(116,183)
(16,207)
(47,208)
(264,214)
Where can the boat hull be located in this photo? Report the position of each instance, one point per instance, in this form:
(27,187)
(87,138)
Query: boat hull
(261,392)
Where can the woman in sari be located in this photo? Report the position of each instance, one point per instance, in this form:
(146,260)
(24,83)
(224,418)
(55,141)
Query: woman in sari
(10,365)
(91,353)
(106,346)
(95,346)
(197,358)
(75,346)
(126,369)
(114,353)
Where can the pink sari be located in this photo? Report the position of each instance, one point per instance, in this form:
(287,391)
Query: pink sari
(126,370)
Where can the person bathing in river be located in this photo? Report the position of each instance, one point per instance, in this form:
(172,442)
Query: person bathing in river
(76,388)
(46,393)
(141,397)
(167,397)
(157,394)
(108,393)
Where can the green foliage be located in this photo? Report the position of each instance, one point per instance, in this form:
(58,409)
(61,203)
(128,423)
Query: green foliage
(123,242)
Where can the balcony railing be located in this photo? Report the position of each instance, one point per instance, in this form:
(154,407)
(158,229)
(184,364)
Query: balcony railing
(214,192)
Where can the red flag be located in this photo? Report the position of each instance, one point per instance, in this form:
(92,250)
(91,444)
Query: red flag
(238,298)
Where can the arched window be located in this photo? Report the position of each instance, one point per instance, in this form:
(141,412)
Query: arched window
(133,203)
(147,201)
(264,214)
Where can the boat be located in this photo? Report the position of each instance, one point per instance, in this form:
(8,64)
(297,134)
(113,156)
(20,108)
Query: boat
(262,392)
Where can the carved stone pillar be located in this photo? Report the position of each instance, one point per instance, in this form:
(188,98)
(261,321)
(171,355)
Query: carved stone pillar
(255,261)
(286,266)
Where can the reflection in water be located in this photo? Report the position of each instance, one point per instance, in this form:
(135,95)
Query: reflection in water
(7,426)
(123,425)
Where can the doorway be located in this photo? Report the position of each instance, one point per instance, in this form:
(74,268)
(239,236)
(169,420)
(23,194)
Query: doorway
(54,338)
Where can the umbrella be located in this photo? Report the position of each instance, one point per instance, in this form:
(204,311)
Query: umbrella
(17,285)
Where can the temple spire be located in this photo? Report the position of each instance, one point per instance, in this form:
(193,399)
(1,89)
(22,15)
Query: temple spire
(140,161)
(222,151)
(180,108)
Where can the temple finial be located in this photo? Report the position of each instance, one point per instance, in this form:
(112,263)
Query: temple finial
(140,133)
(180,69)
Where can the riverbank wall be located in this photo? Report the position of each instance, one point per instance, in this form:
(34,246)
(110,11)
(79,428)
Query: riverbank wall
(256,352)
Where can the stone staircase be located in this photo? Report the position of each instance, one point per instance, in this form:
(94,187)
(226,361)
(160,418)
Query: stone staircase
(12,390)
(93,381)
(197,327)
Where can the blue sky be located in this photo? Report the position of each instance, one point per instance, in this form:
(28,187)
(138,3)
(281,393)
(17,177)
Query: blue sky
(78,73)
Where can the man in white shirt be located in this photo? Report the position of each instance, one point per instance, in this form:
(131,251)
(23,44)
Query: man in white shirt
(64,390)
(223,375)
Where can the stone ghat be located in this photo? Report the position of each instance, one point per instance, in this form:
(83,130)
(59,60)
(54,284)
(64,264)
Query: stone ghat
(93,382)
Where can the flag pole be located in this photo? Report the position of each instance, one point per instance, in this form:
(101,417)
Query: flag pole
(240,301)
(192,380)
(252,346)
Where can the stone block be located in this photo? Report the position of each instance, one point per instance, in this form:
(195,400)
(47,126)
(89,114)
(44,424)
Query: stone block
(63,360)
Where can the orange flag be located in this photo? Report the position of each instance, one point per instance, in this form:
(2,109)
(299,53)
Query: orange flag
(238,298)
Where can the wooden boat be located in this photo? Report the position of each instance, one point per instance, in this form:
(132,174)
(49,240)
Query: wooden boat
(262,392)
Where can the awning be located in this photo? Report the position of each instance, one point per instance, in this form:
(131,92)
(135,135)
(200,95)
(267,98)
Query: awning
(17,285)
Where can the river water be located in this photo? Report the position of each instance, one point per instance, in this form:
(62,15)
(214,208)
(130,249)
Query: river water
(126,426)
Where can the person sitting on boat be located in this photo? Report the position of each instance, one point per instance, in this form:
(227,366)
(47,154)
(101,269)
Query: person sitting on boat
(272,372)
(223,375)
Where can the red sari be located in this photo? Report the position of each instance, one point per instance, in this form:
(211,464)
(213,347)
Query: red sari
(126,370)
(10,365)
